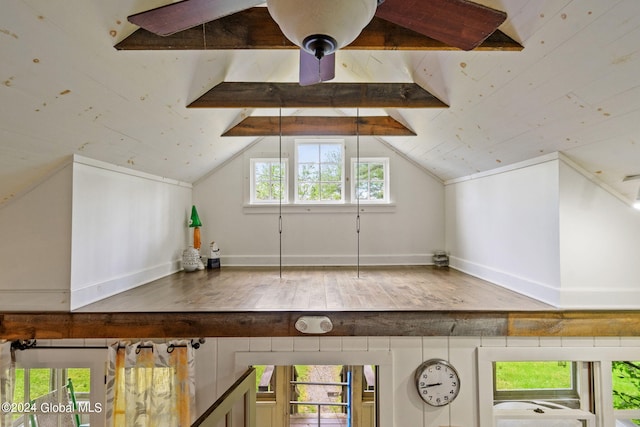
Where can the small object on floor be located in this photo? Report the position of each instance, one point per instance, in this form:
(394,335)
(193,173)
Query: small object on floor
(214,256)
(191,259)
(440,259)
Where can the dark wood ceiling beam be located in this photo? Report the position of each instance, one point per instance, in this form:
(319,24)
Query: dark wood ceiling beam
(255,29)
(324,95)
(313,125)
(58,325)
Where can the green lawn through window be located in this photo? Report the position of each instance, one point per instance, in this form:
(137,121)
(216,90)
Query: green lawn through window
(533,375)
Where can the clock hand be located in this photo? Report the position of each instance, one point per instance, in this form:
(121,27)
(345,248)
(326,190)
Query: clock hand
(432,385)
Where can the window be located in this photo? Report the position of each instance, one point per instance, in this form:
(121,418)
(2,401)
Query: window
(39,389)
(555,380)
(268,180)
(626,391)
(370,180)
(318,176)
(319,171)
(42,380)
(317,394)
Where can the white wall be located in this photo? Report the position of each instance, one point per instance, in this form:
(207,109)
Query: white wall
(220,361)
(89,230)
(128,228)
(548,229)
(503,226)
(35,248)
(406,233)
(599,245)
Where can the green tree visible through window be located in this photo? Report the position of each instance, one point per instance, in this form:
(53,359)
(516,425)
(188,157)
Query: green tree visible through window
(320,172)
(626,385)
(269,180)
(370,180)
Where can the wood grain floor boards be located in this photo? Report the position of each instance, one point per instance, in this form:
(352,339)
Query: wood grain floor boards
(397,288)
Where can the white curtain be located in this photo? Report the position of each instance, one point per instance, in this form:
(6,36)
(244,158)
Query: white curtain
(150,384)
(7,379)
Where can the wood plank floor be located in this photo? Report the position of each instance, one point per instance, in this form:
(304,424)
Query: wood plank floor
(318,289)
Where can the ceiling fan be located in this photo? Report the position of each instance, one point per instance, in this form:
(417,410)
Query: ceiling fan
(320,27)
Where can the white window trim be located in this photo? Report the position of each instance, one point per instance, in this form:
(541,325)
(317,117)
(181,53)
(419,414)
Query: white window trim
(53,358)
(252,180)
(383,359)
(385,164)
(601,356)
(299,142)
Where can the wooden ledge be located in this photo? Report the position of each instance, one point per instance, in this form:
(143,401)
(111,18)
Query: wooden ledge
(57,325)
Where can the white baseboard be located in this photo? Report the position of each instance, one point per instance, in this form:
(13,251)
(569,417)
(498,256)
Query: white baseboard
(325,260)
(540,291)
(609,298)
(101,290)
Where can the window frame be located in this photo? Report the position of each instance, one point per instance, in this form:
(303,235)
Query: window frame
(556,394)
(354,173)
(252,180)
(600,358)
(320,142)
(68,358)
(624,415)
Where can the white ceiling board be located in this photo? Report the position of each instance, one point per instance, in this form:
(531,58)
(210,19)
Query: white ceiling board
(506,108)
(575,88)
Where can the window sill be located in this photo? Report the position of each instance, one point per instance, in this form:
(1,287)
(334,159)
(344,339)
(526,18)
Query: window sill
(346,208)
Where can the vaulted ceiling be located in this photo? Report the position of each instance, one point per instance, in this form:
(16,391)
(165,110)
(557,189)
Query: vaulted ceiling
(66,89)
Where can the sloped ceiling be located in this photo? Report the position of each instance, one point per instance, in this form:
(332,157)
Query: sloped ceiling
(65,89)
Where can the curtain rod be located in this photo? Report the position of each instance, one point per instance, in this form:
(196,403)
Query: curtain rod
(31,344)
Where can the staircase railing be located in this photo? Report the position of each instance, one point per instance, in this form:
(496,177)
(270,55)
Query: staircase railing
(243,388)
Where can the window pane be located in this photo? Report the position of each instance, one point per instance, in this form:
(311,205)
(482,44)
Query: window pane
(40,382)
(331,191)
(376,191)
(308,153)
(376,171)
(331,172)
(262,171)
(308,192)
(18,391)
(533,375)
(331,153)
(263,191)
(362,191)
(319,172)
(276,171)
(363,172)
(276,192)
(626,384)
(308,172)
(81,379)
(370,180)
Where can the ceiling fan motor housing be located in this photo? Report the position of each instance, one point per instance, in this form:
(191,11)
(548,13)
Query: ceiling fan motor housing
(321,27)
(320,45)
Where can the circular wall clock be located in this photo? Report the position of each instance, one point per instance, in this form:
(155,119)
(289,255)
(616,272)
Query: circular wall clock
(437,382)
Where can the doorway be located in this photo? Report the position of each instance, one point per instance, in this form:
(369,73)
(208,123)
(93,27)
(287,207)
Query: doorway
(316,395)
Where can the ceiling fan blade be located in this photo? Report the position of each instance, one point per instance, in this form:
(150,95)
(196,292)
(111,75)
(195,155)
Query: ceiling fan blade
(460,23)
(175,17)
(314,70)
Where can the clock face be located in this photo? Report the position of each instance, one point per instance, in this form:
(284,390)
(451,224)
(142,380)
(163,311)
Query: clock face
(437,382)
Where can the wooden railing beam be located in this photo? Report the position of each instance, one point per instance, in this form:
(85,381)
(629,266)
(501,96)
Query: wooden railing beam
(579,323)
